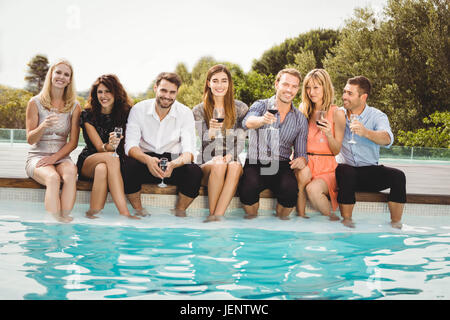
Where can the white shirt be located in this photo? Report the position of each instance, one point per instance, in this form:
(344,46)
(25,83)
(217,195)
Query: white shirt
(174,134)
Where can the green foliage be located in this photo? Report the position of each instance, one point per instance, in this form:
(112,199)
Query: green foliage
(436,135)
(37,70)
(318,41)
(254,86)
(405,53)
(304,62)
(13,105)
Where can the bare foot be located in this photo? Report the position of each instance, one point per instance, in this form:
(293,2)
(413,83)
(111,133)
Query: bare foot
(211,218)
(131,216)
(304,216)
(91,214)
(65,216)
(396,225)
(57,216)
(250,216)
(334,217)
(141,212)
(348,223)
(179,213)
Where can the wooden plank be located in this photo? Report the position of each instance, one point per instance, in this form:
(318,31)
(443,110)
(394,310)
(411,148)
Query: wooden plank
(442,199)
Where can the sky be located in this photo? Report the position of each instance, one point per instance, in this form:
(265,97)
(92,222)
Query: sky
(138,39)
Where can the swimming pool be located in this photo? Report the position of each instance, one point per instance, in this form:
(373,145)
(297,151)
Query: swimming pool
(164,257)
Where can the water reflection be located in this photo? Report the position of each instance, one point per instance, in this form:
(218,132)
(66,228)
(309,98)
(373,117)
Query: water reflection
(88,261)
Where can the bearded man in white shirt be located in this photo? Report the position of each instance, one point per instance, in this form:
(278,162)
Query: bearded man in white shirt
(157,128)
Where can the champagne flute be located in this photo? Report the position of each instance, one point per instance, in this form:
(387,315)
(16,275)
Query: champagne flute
(163,165)
(353,117)
(219,115)
(53,145)
(273,109)
(53,112)
(118,131)
(320,116)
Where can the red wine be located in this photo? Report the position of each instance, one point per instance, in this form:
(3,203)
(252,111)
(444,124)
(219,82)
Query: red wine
(219,120)
(273,111)
(319,123)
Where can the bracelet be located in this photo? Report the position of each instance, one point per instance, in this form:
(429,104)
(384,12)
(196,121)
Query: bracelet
(104,147)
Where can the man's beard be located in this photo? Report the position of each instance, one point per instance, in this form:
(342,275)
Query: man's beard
(161,105)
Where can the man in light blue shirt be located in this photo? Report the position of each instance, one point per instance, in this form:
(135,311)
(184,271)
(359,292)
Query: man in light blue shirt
(358,168)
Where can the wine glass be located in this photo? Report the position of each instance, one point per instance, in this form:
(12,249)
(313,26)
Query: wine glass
(320,116)
(53,145)
(273,109)
(163,165)
(118,131)
(53,112)
(353,117)
(219,115)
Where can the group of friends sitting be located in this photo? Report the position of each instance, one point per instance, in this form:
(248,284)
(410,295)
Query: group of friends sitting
(317,151)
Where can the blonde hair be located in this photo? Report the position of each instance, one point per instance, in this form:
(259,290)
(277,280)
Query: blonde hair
(291,71)
(321,77)
(69,95)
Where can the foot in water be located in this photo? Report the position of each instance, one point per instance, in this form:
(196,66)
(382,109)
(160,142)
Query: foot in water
(348,223)
(91,214)
(141,212)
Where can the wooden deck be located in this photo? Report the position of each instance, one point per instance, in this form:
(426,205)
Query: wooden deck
(426,182)
(154,189)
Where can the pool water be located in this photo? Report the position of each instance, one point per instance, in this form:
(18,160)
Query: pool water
(164,257)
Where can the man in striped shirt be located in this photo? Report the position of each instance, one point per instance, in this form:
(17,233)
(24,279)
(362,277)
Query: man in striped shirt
(268,163)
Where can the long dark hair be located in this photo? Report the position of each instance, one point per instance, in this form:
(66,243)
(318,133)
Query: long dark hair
(122,102)
(208,99)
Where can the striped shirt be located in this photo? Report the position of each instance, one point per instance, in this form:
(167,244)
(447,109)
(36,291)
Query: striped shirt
(276,145)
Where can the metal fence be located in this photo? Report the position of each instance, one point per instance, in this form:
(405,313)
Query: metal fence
(13,136)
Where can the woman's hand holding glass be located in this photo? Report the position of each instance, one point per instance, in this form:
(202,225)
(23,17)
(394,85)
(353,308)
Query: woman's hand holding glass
(215,127)
(118,136)
(113,140)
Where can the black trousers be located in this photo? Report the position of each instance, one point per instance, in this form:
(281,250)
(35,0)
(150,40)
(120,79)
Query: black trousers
(283,184)
(187,178)
(369,179)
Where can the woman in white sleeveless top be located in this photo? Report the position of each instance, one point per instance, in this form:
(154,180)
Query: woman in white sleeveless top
(51,117)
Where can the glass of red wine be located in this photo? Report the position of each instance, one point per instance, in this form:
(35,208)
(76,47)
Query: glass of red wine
(163,165)
(219,115)
(273,109)
(320,117)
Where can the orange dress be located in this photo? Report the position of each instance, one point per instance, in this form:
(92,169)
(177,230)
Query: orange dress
(322,166)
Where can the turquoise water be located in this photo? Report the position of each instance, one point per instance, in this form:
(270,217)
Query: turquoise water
(88,261)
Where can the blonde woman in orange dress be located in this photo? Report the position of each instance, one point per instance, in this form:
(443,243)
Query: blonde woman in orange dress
(325,135)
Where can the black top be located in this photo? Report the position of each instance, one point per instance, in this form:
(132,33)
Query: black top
(104,124)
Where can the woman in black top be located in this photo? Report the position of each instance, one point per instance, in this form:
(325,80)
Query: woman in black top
(107,108)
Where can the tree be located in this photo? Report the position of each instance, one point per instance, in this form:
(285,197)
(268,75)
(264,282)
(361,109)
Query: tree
(254,86)
(13,105)
(304,62)
(404,52)
(318,41)
(37,70)
(183,72)
(437,134)
(420,30)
